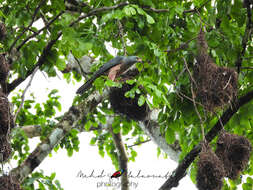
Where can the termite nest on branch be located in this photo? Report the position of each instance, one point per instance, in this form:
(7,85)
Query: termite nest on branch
(234,151)
(214,86)
(4,69)
(210,171)
(6,119)
(128,106)
(2,31)
(7,183)
(5,149)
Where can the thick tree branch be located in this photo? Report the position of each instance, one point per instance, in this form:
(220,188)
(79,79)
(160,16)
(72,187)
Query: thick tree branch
(32,130)
(35,130)
(40,62)
(122,155)
(152,129)
(68,122)
(180,171)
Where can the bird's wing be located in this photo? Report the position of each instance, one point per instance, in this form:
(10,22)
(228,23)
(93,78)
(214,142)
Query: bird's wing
(113,62)
(113,72)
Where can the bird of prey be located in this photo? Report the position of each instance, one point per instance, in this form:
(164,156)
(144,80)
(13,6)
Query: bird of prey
(115,67)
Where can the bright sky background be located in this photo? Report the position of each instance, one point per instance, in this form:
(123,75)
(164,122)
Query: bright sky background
(88,159)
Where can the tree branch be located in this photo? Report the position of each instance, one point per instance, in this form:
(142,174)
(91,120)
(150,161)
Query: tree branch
(68,122)
(180,171)
(122,155)
(23,95)
(40,62)
(152,129)
(246,37)
(42,58)
(31,23)
(148,8)
(121,34)
(39,31)
(181,47)
(32,130)
(139,143)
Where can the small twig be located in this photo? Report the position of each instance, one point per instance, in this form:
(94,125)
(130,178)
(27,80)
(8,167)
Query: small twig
(43,18)
(246,37)
(182,46)
(202,21)
(227,83)
(189,72)
(219,119)
(246,67)
(39,31)
(23,95)
(121,33)
(79,64)
(136,144)
(194,102)
(250,57)
(197,8)
(148,8)
(180,94)
(31,23)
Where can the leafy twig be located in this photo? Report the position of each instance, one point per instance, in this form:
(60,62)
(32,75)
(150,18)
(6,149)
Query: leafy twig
(138,143)
(148,8)
(121,33)
(197,8)
(246,67)
(24,92)
(246,37)
(31,23)
(194,102)
(39,31)
(50,44)
(182,46)
(40,62)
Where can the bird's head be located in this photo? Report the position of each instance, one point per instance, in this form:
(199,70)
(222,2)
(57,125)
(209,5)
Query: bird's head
(127,62)
(133,59)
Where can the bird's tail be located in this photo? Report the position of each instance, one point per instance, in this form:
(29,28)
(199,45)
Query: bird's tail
(85,87)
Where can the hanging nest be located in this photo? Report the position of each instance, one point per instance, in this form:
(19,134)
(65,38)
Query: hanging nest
(234,152)
(6,119)
(2,31)
(6,183)
(210,170)
(214,86)
(127,106)
(4,69)
(5,149)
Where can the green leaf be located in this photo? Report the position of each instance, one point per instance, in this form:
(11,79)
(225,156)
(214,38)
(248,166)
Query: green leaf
(141,100)
(170,136)
(150,19)
(111,83)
